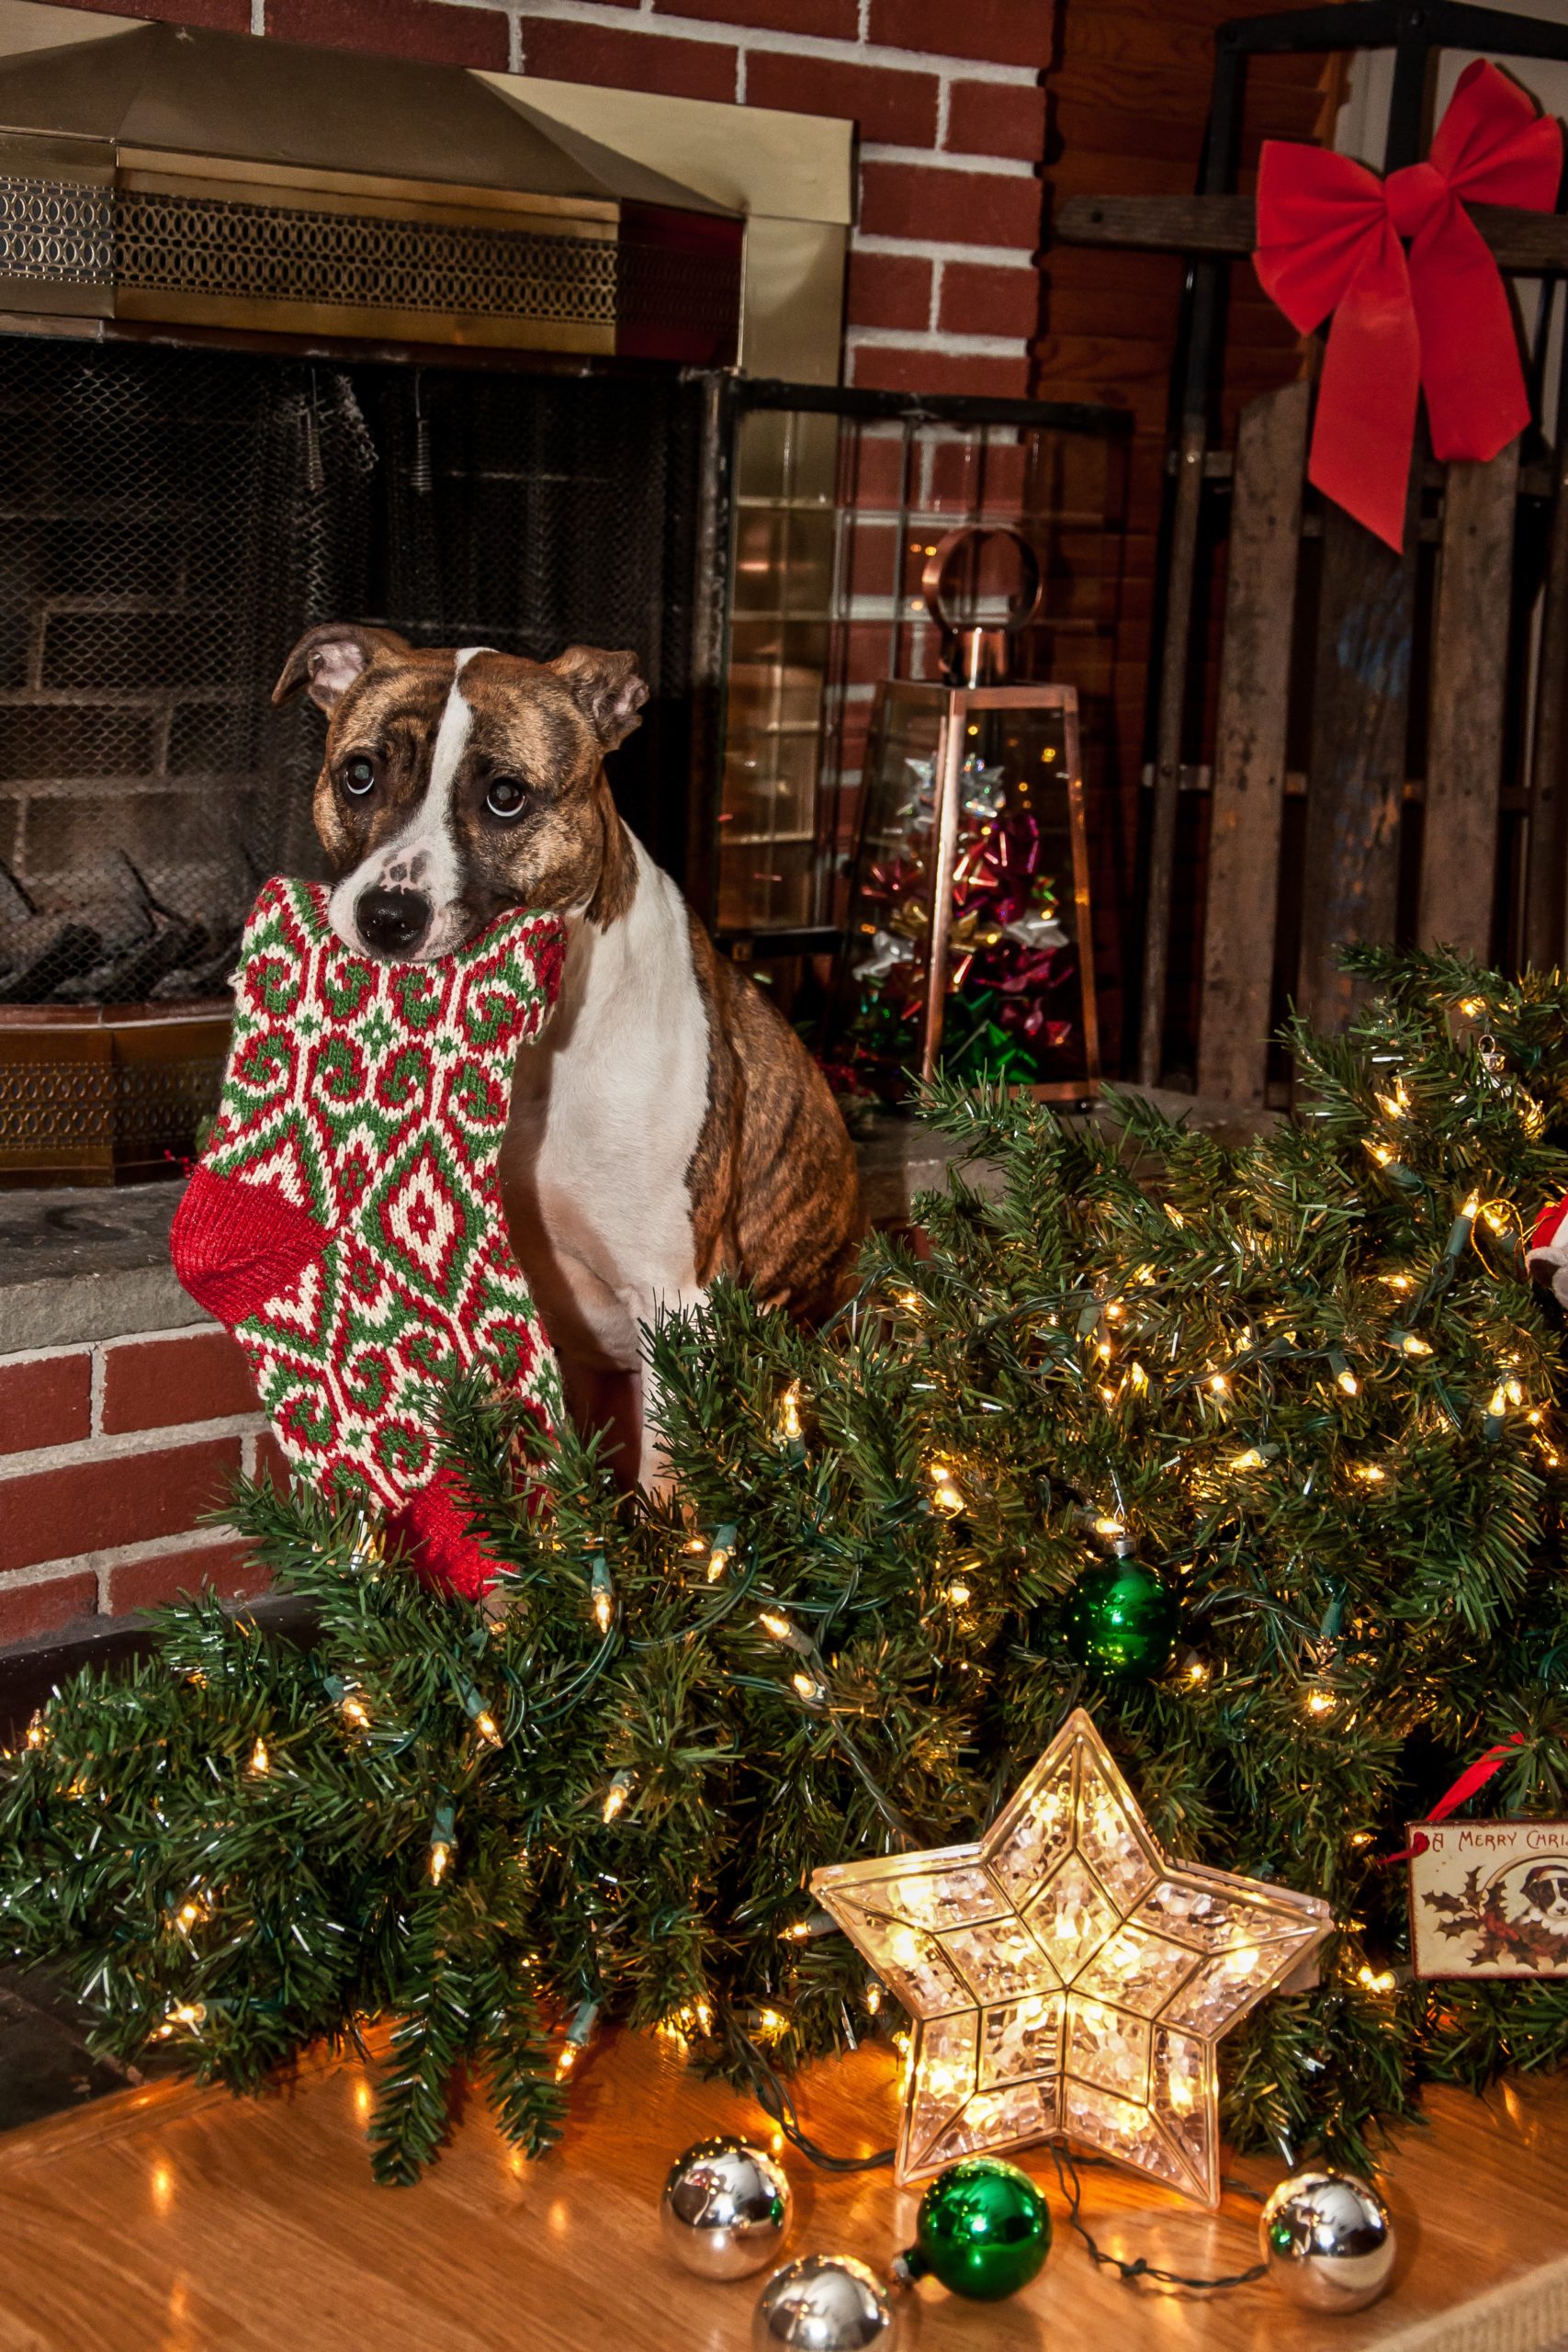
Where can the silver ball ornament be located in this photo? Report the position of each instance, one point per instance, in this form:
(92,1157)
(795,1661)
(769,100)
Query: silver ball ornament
(1327,2241)
(725,2209)
(825,2302)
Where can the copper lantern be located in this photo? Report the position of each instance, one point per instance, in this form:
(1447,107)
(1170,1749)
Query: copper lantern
(969,948)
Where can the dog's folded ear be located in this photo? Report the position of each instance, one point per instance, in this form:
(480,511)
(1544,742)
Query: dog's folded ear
(328,659)
(607,688)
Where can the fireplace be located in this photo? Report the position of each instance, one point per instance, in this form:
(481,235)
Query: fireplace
(175,519)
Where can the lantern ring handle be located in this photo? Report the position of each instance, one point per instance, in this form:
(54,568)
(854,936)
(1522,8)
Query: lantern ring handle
(1021,608)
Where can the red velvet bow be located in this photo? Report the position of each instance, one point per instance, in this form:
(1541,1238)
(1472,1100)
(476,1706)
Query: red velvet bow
(1328,239)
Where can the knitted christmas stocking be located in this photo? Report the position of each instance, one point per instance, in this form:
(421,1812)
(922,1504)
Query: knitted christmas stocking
(344,1219)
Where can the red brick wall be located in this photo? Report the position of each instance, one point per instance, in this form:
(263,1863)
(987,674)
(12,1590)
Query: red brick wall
(109,1455)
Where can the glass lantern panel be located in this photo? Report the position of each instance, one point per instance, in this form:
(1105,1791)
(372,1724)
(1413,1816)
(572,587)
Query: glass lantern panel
(896,870)
(1013,1008)
(1014,1005)
(770,785)
(766,885)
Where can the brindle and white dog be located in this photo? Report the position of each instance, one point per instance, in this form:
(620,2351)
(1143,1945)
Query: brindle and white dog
(669,1123)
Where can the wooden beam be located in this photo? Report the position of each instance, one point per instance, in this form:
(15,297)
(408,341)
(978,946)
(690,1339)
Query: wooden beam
(1167,752)
(1249,749)
(1470,660)
(1356,775)
(1535,243)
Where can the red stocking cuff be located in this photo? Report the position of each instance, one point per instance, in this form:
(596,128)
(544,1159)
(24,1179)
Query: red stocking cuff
(441,1539)
(236,1245)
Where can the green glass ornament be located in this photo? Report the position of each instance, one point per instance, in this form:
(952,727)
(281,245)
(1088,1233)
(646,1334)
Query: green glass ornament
(983,2230)
(1122,1617)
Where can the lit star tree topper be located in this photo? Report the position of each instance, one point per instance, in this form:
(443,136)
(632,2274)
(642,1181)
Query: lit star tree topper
(1066,1979)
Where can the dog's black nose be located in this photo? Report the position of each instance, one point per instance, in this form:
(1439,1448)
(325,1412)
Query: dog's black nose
(391,923)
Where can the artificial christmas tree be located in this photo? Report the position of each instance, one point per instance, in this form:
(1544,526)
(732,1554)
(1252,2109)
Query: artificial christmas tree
(1309,1384)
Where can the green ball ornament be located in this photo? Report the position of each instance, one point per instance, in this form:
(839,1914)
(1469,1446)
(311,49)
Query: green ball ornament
(983,2230)
(1122,1617)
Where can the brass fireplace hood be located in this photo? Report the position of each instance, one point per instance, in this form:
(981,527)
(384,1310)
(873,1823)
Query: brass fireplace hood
(166,174)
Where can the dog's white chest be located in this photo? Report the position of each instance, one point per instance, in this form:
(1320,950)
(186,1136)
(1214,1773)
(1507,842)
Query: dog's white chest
(609,1105)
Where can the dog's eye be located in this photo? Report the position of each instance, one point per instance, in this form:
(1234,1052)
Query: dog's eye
(359,776)
(506,796)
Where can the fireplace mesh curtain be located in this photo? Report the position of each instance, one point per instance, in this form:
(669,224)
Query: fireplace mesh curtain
(174,519)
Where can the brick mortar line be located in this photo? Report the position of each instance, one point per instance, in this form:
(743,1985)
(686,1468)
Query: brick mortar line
(80,1453)
(10,1356)
(114,1555)
(835,50)
(947,159)
(956,347)
(937,249)
(57,1354)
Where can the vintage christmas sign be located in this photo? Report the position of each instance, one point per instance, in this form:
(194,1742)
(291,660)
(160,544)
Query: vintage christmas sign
(1489,1898)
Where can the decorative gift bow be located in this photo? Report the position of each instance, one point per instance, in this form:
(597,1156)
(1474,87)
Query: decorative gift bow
(1329,232)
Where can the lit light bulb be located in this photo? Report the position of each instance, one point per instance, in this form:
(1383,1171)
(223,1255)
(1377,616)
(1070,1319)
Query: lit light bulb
(1219,1385)
(354,1712)
(1348,1382)
(1472,1007)
(1376,1980)
(1412,1344)
(1471,1208)
(1360,1837)
(1380,1152)
(616,1795)
(789,1413)
(1372,1474)
(488,1728)
(872,1998)
(1320,1703)
(771,2023)
(440,1859)
(958,1593)
(37,1732)
(189,1912)
(807,1688)
(697,1545)
(1109,1527)
(1137,1378)
(603,1610)
(261,1762)
(946,1496)
(1249,1459)
(773,1624)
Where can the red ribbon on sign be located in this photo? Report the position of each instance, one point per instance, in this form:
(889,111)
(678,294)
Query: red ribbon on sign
(1437,320)
(1474,1776)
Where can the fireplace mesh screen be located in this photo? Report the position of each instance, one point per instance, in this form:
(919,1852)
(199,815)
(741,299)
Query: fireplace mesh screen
(174,518)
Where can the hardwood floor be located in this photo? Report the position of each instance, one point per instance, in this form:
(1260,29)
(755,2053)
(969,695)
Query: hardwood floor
(171,2220)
